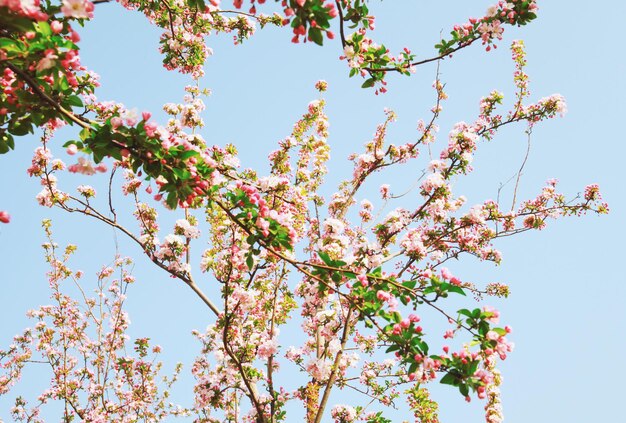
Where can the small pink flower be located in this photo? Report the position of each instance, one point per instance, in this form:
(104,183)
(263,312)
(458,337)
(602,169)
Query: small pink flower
(48,60)
(80,9)
(383,296)
(414,318)
(492,336)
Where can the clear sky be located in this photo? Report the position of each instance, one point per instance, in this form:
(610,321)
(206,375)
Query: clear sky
(567,306)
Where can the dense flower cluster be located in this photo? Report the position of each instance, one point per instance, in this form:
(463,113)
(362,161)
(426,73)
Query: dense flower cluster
(274,242)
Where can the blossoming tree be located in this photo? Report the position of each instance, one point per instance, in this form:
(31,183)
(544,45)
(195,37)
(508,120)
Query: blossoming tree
(282,253)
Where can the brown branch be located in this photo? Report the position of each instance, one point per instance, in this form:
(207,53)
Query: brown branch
(422,62)
(519,173)
(32,83)
(333,373)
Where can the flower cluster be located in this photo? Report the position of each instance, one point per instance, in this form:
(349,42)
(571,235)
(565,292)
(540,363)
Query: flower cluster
(362,285)
(86,350)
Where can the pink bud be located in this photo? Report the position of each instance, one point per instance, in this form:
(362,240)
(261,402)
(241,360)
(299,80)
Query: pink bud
(56,26)
(71,149)
(4,217)
(74,37)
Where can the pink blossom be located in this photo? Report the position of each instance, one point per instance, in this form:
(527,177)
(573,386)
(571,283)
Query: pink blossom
(446,274)
(80,9)
(48,61)
(383,296)
(384,191)
(495,314)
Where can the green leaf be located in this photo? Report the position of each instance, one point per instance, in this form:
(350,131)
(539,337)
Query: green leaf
(423,346)
(44,29)
(250,261)
(325,258)
(6,143)
(10,46)
(74,100)
(20,127)
(187,154)
(453,288)
(171,200)
(368,83)
(98,155)
(463,388)
(85,133)
(315,34)
(38,118)
(465,312)
(392,348)
(183,174)
(377,272)
(450,379)
(13,22)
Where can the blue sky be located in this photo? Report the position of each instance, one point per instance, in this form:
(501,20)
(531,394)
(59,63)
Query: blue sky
(567,306)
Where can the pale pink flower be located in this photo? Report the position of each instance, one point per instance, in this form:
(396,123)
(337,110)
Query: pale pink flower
(47,61)
(80,9)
